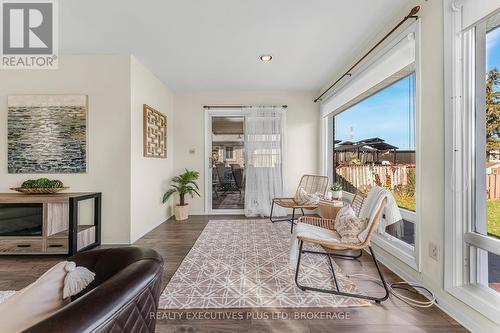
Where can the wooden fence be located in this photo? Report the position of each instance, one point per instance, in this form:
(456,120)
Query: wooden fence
(493,186)
(361,176)
(364,176)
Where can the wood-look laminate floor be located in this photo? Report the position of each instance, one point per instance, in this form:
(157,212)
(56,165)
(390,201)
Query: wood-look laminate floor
(173,240)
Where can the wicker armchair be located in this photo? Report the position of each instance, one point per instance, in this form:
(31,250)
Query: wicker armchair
(357,202)
(311,184)
(338,246)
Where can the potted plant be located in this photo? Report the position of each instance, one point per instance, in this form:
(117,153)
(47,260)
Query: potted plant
(40,186)
(183,184)
(336,189)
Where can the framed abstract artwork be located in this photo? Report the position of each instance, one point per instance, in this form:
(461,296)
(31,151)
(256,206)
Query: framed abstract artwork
(155,133)
(47,134)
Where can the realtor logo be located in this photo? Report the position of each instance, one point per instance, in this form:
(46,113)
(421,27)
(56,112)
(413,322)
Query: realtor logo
(28,34)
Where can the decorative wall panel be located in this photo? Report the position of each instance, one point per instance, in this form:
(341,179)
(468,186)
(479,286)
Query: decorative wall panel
(155,133)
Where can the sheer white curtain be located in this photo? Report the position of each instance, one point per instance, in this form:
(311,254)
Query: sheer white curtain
(264,144)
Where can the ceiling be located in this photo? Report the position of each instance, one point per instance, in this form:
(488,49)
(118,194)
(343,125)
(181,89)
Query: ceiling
(208,45)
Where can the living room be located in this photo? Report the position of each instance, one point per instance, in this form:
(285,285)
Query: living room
(209,156)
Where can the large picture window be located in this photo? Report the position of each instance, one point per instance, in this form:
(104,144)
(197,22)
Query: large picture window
(374,145)
(370,137)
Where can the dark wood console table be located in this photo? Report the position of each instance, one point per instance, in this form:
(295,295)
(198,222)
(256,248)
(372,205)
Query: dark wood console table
(59,232)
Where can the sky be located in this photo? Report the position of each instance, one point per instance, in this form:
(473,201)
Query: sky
(387,114)
(493,49)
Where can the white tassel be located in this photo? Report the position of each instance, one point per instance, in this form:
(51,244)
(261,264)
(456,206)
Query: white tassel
(76,279)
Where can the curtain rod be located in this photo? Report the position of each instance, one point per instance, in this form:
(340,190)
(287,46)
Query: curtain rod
(241,106)
(411,15)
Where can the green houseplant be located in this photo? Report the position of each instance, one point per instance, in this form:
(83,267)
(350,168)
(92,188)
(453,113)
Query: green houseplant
(336,189)
(183,184)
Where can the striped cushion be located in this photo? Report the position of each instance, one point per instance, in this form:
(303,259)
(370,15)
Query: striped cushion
(306,199)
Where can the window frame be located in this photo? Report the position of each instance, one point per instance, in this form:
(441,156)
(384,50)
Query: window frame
(228,153)
(465,57)
(410,255)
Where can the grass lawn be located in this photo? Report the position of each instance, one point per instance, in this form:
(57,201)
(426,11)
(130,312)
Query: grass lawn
(406,202)
(493,206)
(494,217)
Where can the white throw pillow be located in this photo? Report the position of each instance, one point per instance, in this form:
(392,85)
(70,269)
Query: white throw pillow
(34,303)
(348,225)
(304,198)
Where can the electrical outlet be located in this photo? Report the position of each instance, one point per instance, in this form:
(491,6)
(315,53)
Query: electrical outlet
(433,251)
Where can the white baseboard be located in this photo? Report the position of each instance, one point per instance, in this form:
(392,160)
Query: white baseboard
(441,302)
(149,230)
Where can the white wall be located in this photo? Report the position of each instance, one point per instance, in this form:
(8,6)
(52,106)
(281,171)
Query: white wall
(106,81)
(150,177)
(431,165)
(302,132)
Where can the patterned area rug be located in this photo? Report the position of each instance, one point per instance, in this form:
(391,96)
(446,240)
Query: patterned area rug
(245,264)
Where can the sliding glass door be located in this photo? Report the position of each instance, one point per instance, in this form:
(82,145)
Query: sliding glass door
(226,161)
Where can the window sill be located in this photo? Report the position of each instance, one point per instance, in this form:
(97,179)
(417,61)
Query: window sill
(480,298)
(398,249)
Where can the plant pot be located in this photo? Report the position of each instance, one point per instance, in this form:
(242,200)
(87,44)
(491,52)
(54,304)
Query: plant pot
(181,212)
(328,195)
(337,195)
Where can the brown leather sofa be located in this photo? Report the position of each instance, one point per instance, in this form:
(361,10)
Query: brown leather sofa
(122,298)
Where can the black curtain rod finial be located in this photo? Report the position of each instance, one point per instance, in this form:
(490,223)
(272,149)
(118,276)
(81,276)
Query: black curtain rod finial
(411,14)
(414,11)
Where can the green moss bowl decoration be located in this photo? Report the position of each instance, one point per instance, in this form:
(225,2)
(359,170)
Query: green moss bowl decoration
(40,186)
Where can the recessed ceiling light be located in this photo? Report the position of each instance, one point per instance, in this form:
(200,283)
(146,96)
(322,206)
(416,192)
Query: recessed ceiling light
(266,57)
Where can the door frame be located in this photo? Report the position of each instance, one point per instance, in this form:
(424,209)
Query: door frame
(209,113)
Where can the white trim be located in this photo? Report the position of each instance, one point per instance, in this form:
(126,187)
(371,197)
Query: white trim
(464,270)
(474,11)
(396,55)
(441,303)
(208,173)
(483,242)
(410,255)
(476,295)
(132,241)
(417,252)
(453,150)
(284,155)
(325,149)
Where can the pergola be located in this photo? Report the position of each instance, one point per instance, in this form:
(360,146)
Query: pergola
(372,146)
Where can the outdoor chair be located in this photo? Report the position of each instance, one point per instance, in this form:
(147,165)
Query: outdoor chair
(311,184)
(238,176)
(225,184)
(329,225)
(357,202)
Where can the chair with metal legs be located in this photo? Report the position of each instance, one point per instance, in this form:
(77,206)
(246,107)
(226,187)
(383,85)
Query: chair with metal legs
(338,246)
(311,184)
